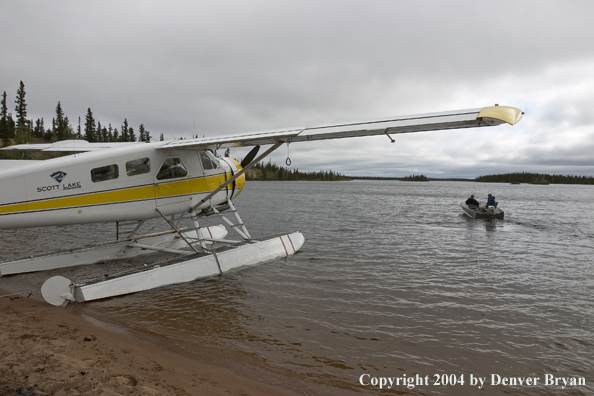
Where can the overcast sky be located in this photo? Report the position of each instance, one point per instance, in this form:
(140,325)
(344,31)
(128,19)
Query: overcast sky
(223,67)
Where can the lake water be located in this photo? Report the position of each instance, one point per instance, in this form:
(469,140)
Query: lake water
(393,281)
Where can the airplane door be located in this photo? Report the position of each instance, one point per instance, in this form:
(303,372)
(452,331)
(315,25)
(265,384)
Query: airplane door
(173,187)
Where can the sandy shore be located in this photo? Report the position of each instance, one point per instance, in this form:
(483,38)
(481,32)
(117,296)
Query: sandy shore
(46,350)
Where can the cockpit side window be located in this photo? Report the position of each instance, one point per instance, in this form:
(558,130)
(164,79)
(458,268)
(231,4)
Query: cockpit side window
(103,173)
(172,168)
(138,166)
(208,160)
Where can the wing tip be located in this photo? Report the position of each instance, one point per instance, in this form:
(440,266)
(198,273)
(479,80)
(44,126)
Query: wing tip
(498,114)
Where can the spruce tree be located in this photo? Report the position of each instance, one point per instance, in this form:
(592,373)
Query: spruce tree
(21,107)
(51,132)
(6,131)
(131,135)
(144,134)
(147,135)
(78,132)
(124,132)
(98,135)
(68,131)
(39,130)
(104,135)
(90,129)
(61,127)
(23,129)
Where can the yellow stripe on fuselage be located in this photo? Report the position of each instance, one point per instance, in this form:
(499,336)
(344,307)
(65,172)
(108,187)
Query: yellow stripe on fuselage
(160,190)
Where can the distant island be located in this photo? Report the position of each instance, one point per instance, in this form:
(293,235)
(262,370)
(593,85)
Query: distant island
(415,178)
(535,178)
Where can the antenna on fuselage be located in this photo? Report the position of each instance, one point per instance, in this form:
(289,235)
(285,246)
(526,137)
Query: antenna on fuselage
(168,130)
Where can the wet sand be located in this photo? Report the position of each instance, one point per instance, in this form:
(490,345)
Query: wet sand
(47,350)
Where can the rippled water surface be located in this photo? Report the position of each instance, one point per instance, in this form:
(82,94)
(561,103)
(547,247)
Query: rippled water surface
(392,280)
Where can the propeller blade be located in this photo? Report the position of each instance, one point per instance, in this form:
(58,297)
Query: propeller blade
(250,156)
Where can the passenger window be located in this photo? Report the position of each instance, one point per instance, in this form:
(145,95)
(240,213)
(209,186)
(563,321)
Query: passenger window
(138,166)
(104,173)
(208,160)
(172,168)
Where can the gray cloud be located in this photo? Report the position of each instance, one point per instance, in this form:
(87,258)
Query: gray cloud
(217,68)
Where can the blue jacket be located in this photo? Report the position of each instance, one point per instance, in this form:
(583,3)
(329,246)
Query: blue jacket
(491,201)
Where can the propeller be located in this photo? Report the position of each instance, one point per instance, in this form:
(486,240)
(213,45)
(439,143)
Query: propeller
(250,156)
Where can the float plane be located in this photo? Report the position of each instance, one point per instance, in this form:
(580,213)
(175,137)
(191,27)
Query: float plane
(173,181)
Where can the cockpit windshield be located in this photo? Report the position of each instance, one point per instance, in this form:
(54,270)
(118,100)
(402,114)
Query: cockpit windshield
(208,160)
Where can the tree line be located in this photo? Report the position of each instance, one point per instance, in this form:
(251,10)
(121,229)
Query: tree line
(535,178)
(271,171)
(22,130)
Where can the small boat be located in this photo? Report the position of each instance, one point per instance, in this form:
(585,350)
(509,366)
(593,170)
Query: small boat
(481,212)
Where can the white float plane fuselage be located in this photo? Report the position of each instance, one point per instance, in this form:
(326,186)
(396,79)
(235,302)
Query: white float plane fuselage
(110,185)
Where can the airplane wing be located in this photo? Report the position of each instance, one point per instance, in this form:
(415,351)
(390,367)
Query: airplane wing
(486,116)
(68,145)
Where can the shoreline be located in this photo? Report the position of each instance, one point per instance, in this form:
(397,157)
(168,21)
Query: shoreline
(60,351)
(39,352)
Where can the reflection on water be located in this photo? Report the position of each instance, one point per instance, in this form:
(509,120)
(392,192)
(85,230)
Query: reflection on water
(392,280)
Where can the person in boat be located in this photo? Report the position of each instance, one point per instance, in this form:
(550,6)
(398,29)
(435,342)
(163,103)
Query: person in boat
(491,201)
(472,202)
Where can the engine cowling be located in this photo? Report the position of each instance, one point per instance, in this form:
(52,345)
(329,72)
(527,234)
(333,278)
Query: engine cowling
(231,167)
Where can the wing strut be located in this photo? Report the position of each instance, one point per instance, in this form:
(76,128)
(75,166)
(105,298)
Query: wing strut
(178,231)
